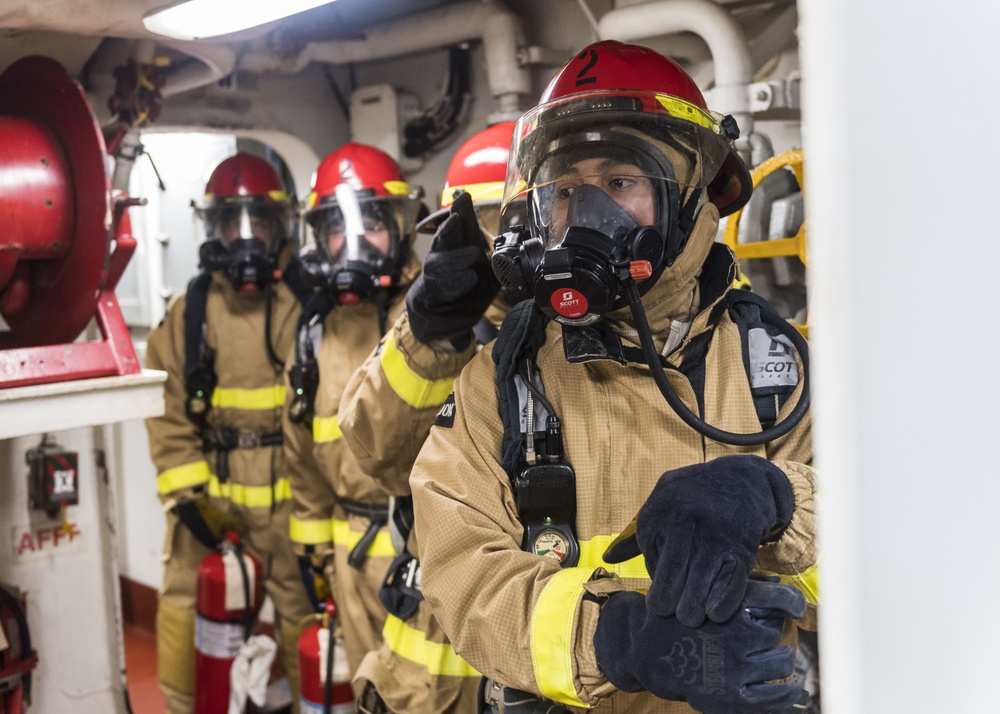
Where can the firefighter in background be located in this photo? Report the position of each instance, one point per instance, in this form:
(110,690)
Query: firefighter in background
(218,447)
(360,219)
(562,430)
(389,405)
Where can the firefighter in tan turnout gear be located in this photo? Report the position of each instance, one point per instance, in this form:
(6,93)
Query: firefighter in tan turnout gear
(636,385)
(217,448)
(361,219)
(389,404)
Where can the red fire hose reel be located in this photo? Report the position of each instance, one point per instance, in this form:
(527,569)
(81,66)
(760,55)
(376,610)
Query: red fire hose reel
(64,242)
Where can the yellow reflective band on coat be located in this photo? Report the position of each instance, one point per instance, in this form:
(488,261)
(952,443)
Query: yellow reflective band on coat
(250,496)
(807,582)
(186,476)
(412,644)
(317,531)
(326,429)
(250,399)
(592,556)
(410,386)
(381,546)
(552,635)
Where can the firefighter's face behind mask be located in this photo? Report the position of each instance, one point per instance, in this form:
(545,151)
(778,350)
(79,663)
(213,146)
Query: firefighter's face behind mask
(357,242)
(244,242)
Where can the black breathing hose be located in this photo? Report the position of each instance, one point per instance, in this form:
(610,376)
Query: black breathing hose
(689,417)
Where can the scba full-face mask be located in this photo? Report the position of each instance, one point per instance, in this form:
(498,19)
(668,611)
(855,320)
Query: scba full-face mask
(614,162)
(247,218)
(360,222)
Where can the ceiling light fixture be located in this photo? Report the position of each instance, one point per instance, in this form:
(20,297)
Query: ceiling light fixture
(198,19)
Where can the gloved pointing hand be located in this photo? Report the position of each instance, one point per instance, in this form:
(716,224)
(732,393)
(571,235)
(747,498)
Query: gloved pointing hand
(699,531)
(725,668)
(457,283)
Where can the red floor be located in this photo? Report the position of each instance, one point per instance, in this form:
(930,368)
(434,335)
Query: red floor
(140,668)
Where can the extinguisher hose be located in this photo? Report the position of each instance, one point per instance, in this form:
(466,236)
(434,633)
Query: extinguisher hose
(328,684)
(248,611)
(25,635)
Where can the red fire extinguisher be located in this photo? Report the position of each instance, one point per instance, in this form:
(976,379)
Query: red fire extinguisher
(324,677)
(227,580)
(17,658)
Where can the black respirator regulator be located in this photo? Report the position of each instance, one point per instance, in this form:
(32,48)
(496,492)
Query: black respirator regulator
(246,263)
(348,283)
(580,280)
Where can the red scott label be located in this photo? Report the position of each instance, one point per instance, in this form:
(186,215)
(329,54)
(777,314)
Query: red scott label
(569,303)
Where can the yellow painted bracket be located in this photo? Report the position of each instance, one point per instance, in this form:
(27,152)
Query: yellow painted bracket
(783,247)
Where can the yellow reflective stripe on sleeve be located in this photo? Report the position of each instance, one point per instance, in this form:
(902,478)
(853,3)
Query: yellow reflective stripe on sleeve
(592,556)
(312,532)
(410,386)
(807,582)
(381,547)
(186,476)
(250,496)
(250,399)
(412,644)
(552,635)
(326,429)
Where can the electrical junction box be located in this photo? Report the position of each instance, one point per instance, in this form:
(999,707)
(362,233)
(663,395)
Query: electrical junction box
(53,477)
(379,114)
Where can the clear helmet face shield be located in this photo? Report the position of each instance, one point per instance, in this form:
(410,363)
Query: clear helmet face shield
(243,237)
(626,143)
(354,242)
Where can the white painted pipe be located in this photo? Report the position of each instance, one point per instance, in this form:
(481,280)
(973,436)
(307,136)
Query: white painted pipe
(213,62)
(725,38)
(499,29)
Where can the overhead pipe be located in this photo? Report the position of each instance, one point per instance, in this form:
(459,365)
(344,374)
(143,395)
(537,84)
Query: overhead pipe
(725,39)
(209,63)
(498,28)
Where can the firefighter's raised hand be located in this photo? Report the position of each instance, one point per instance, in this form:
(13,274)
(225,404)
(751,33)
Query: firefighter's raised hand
(457,283)
(699,531)
(718,668)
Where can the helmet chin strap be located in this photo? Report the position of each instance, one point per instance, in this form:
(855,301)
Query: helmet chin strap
(681,409)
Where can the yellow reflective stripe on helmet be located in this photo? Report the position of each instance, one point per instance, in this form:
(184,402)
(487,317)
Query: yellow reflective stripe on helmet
(312,532)
(688,112)
(250,496)
(326,429)
(410,386)
(277,196)
(412,644)
(196,473)
(397,188)
(381,546)
(486,191)
(255,399)
(552,635)
(592,556)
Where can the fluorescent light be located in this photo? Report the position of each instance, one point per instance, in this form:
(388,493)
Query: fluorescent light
(196,19)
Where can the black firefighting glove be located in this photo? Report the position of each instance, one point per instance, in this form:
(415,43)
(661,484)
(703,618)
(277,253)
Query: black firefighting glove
(314,580)
(699,531)
(457,283)
(718,668)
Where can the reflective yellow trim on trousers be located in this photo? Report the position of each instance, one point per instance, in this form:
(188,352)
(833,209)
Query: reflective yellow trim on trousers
(196,473)
(552,635)
(250,496)
(311,532)
(381,546)
(592,556)
(251,399)
(412,644)
(326,429)
(410,386)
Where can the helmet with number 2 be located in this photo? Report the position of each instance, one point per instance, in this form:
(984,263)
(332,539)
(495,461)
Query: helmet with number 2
(627,109)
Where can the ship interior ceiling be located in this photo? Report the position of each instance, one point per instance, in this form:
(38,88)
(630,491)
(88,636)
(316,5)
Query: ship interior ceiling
(415,78)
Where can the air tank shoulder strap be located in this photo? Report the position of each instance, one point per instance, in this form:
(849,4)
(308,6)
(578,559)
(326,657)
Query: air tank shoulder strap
(199,362)
(522,333)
